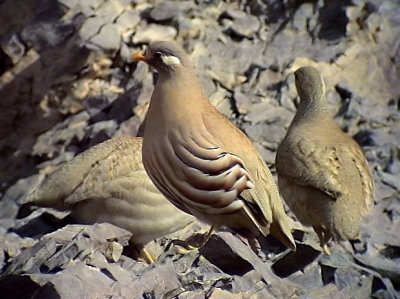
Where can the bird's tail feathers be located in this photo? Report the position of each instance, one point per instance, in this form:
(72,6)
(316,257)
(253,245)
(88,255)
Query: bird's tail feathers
(283,233)
(41,199)
(280,229)
(262,226)
(30,198)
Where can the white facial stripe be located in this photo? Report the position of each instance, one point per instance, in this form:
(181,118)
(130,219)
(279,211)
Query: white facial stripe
(170,60)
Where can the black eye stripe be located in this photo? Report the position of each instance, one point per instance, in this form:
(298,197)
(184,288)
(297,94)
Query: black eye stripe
(159,54)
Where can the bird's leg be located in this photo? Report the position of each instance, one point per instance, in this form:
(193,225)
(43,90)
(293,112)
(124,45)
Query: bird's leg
(139,252)
(324,238)
(326,249)
(147,256)
(206,237)
(193,247)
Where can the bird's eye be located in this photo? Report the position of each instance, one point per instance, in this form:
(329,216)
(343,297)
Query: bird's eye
(159,54)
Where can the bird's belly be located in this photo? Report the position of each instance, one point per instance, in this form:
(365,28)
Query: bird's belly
(311,207)
(348,213)
(145,220)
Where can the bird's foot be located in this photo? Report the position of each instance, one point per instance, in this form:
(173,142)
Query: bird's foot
(194,243)
(187,250)
(205,238)
(324,238)
(181,247)
(326,249)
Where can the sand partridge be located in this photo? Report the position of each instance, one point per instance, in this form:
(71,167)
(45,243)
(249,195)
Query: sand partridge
(199,160)
(322,173)
(108,183)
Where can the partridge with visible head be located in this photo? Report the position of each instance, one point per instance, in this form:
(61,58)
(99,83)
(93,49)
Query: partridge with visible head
(322,173)
(108,183)
(199,160)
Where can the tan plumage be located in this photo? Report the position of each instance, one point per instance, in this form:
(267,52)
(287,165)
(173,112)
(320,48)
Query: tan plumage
(322,172)
(199,160)
(108,183)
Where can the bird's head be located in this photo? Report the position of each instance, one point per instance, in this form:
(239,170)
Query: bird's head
(164,56)
(309,84)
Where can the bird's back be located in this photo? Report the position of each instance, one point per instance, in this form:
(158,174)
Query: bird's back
(72,174)
(318,154)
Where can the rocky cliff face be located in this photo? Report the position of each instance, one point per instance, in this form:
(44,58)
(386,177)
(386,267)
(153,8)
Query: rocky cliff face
(67,83)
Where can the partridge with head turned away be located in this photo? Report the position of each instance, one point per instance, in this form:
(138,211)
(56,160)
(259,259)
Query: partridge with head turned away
(108,183)
(322,173)
(199,160)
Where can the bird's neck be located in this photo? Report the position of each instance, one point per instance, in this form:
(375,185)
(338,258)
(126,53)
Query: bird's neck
(180,79)
(177,99)
(310,109)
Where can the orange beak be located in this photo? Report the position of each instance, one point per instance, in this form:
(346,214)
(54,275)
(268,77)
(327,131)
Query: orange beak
(138,56)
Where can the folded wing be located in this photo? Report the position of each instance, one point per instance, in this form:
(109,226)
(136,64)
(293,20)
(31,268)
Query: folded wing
(199,174)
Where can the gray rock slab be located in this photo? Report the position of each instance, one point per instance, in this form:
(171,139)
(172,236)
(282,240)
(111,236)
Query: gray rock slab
(164,11)
(154,32)
(109,37)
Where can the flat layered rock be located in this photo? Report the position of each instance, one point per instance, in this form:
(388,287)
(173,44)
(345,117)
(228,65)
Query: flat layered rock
(67,82)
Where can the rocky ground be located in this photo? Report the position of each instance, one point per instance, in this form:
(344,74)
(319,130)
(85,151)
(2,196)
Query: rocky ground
(67,83)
